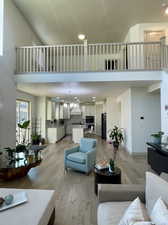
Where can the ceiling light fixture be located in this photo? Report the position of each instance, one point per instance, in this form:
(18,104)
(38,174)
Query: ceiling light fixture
(165,8)
(81,37)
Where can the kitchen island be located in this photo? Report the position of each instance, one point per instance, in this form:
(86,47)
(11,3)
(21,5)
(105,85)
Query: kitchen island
(77,133)
(55,134)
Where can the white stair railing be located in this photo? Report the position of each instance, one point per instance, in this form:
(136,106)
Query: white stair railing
(164,57)
(93,57)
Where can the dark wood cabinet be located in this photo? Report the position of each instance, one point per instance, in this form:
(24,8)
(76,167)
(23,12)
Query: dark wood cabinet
(157,160)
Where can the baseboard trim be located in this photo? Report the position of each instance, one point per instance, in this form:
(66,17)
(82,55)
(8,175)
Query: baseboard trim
(139,154)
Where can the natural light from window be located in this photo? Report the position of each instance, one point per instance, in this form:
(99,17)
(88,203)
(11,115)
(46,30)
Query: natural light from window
(1,25)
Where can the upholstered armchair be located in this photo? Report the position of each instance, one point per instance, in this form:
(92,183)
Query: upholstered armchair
(83,157)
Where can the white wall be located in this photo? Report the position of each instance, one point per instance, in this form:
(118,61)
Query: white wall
(126,118)
(135,104)
(136,32)
(42,114)
(16,32)
(164,103)
(145,105)
(113,111)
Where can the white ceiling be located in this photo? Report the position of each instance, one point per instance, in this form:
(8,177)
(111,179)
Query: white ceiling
(84,91)
(60,21)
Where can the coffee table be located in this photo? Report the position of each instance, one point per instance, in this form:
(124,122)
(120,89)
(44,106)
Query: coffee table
(39,210)
(105,177)
(19,165)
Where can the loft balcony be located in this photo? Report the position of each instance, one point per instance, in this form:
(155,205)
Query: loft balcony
(101,57)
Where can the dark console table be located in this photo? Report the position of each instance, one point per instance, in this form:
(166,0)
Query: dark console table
(158,157)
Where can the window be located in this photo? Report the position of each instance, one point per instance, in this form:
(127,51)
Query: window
(22,114)
(1,25)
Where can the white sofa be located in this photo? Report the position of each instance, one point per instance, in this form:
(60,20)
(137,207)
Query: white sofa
(114,199)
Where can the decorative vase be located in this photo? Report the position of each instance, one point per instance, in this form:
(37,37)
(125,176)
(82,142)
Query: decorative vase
(110,169)
(156,140)
(116,145)
(111,166)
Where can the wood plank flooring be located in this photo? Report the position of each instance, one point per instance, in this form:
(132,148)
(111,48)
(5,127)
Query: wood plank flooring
(76,202)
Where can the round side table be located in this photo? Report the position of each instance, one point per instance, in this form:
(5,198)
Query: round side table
(105,177)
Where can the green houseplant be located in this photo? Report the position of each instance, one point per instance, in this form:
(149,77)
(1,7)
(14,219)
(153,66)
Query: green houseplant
(36,139)
(24,127)
(157,137)
(21,148)
(10,151)
(116,136)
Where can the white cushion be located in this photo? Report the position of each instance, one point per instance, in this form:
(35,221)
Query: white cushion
(110,213)
(156,187)
(159,215)
(134,213)
(164,176)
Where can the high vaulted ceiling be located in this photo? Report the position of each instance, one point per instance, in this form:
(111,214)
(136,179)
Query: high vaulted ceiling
(60,21)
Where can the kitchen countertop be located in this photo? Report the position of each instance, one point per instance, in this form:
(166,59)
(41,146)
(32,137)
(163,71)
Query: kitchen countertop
(78,126)
(59,126)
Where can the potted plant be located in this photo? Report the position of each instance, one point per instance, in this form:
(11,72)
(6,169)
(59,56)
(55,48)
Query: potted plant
(116,136)
(111,166)
(36,138)
(157,137)
(21,148)
(24,127)
(11,152)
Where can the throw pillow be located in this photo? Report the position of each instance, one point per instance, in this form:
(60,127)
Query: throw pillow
(134,213)
(159,214)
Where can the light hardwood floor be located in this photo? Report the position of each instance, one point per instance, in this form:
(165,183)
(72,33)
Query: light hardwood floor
(76,202)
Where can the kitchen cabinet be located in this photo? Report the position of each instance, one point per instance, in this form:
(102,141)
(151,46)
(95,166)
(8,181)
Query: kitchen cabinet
(55,134)
(61,111)
(49,110)
(77,134)
(66,111)
(88,110)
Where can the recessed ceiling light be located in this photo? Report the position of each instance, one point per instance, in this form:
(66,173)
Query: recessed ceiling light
(81,37)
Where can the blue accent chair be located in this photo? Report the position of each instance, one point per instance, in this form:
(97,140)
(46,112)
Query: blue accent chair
(83,157)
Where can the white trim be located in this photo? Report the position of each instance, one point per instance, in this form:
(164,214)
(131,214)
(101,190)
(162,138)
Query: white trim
(88,77)
(154,87)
